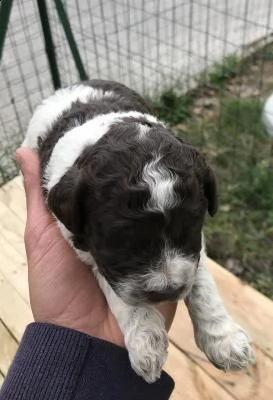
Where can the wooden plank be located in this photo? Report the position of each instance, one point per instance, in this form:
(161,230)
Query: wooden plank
(13,196)
(250,308)
(18,180)
(14,311)
(254,384)
(13,267)
(191,382)
(14,308)
(8,349)
(13,260)
(12,228)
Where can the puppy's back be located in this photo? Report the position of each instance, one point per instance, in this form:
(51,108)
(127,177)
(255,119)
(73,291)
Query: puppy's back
(61,119)
(78,103)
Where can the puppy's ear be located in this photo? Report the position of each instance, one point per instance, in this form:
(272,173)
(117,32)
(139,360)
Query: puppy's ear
(210,190)
(208,177)
(66,200)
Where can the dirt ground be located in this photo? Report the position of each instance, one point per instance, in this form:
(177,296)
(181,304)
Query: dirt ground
(253,81)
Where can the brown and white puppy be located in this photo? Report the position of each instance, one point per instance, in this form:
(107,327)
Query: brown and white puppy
(131,199)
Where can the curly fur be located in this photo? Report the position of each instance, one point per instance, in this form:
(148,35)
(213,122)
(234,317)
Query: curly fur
(131,199)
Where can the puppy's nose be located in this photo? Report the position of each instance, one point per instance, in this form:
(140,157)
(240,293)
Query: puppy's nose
(168,294)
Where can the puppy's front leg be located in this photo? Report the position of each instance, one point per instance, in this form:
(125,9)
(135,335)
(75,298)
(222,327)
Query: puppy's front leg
(225,343)
(144,333)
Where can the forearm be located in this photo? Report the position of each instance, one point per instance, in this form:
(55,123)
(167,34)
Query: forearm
(55,363)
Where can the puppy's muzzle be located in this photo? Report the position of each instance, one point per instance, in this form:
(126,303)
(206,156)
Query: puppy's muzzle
(168,294)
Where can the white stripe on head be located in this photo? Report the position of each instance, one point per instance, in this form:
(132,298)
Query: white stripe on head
(161,183)
(52,107)
(70,146)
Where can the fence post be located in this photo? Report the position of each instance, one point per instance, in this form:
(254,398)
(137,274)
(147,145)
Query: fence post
(5,9)
(70,38)
(49,44)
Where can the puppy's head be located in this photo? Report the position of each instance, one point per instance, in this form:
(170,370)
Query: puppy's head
(137,203)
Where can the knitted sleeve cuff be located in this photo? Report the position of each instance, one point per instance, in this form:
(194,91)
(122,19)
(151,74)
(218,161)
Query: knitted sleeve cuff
(56,363)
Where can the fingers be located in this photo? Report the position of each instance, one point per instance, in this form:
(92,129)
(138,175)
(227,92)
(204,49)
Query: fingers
(30,166)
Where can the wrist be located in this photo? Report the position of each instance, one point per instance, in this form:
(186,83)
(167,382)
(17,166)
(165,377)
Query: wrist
(105,330)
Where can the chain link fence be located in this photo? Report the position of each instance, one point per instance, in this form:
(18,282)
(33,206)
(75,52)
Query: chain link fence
(149,45)
(206,65)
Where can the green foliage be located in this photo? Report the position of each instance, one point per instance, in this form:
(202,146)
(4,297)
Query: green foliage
(240,152)
(220,73)
(172,107)
(264,283)
(242,116)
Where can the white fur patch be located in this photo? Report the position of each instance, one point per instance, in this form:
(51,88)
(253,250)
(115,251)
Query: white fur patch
(70,146)
(52,107)
(224,342)
(173,271)
(143,130)
(144,333)
(161,184)
(177,271)
(85,256)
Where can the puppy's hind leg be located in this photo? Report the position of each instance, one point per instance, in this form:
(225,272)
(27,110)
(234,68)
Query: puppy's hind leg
(225,343)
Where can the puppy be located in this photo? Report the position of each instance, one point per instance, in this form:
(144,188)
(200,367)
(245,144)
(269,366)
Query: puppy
(131,199)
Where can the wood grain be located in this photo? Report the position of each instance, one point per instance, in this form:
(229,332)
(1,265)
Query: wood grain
(12,228)
(8,349)
(13,260)
(18,180)
(14,311)
(13,196)
(253,384)
(191,382)
(13,267)
(253,310)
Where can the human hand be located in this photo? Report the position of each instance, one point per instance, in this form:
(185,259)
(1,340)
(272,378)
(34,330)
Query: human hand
(62,289)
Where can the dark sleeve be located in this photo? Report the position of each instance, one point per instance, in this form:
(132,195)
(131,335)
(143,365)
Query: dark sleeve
(55,363)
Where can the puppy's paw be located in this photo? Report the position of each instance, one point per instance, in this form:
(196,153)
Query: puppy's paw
(227,346)
(147,342)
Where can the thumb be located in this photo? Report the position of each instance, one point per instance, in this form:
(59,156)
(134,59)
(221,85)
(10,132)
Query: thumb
(30,166)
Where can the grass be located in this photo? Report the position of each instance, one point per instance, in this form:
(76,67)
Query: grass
(172,107)
(240,236)
(220,73)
